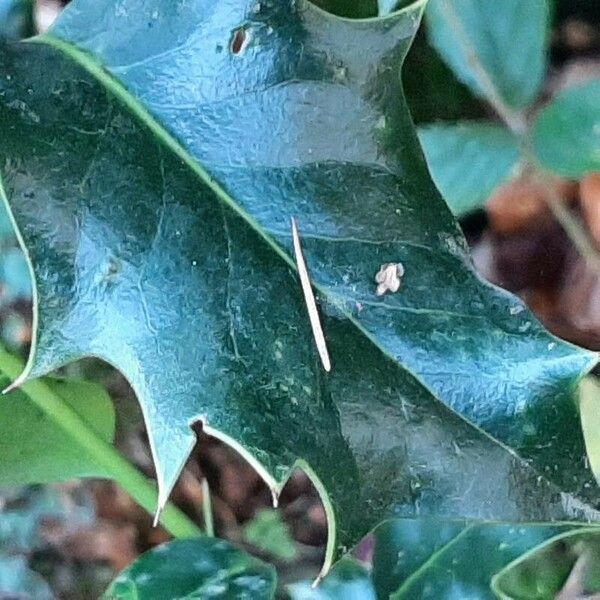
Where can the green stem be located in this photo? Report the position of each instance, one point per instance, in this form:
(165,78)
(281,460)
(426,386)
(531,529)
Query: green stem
(140,488)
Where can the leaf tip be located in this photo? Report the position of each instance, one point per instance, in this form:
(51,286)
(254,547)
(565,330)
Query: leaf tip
(13,386)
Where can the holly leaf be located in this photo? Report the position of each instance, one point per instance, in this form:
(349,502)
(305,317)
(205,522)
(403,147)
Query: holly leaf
(16,18)
(153,156)
(197,568)
(566,133)
(468,161)
(33,449)
(415,559)
(498,49)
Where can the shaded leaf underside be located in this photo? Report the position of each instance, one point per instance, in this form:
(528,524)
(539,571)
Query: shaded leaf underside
(162,245)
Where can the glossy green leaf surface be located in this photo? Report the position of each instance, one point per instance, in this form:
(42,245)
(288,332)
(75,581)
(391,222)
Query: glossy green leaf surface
(419,559)
(203,568)
(154,190)
(566,134)
(449,560)
(468,161)
(496,48)
(348,580)
(568,563)
(35,450)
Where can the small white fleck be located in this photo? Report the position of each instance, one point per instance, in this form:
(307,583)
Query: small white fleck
(551,345)
(388,278)
(516,309)
(194,263)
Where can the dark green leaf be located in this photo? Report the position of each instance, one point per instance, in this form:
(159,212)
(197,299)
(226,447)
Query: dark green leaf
(201,568)
(35,450)
(497,48)
(569,562)
(419,559)
(16,18)
(566,134)
(161,243)
(468,161)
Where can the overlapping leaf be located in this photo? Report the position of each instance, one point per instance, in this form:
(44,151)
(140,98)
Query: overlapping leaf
(497,49)
(200,568)
(153,154)
(415,559)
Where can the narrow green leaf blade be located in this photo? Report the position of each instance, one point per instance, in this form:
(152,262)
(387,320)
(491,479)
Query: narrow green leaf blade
(202,568)
(497,48)
(33,449)
(468,161)
(569,562)
(566,134)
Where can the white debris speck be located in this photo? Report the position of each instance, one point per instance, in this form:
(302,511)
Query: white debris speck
(388,278)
